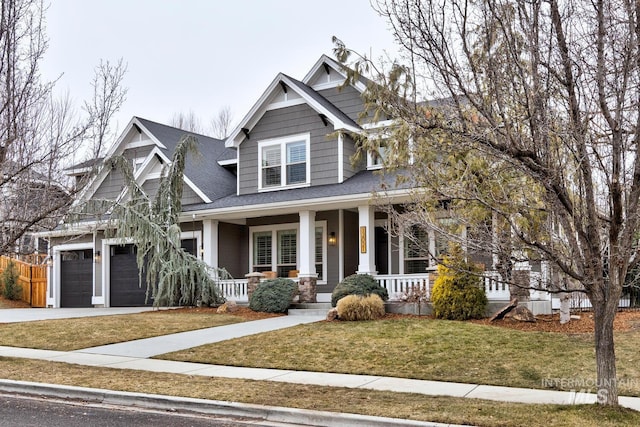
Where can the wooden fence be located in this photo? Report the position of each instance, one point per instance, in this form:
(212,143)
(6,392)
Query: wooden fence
(33,280)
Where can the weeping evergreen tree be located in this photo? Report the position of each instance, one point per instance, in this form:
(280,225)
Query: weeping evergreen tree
(173,276)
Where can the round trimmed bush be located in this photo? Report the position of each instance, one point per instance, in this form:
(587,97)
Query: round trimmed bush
(273,296)
(358,284)
(457,293)
(358,307)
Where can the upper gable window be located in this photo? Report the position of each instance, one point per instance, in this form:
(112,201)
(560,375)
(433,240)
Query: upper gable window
(284,162)
(375,158)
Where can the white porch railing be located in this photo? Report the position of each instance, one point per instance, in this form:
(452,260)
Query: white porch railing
(400,286)
(236,290)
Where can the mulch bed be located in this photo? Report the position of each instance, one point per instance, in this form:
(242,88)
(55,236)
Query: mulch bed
(624,321)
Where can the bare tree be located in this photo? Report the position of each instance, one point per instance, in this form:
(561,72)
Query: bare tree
(108,97)
(536,124)
(38,134)
(187,121)
(221,123)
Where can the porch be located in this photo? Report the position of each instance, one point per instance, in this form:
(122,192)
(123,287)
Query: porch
(401,287)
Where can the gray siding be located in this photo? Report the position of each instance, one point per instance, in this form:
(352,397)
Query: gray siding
(111,187)
(190,197)
(285,122)
(233,241)
(151,187)
(346,99)
(349,150)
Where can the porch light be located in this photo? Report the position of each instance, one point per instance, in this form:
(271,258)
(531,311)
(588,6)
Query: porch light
(332,239)
(97,257)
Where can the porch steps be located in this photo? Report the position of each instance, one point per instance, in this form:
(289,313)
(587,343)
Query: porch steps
(309,309)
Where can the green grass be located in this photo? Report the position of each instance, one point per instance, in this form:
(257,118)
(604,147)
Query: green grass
(428,350)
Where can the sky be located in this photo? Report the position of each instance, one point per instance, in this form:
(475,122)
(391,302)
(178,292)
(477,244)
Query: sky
(200,55)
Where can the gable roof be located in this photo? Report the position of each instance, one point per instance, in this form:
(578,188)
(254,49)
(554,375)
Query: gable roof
(202,173)
(312,98)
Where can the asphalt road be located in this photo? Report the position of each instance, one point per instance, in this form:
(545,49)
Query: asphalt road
(19,411)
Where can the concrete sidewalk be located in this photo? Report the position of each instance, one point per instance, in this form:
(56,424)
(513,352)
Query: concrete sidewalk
(368,382)
(14,315)
(150,347)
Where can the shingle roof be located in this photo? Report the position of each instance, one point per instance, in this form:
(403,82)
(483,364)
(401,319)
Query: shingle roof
(203,170)
(362,183)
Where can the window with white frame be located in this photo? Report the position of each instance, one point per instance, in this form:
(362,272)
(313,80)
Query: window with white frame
(287,252)
(284,162)
(416,250)
(275,248)
(378,154)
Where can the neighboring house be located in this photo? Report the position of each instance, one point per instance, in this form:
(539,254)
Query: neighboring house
(30,202)
(281,195)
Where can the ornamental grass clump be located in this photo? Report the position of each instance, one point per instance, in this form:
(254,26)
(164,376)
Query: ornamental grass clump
(358,307)
(358,284)
(457,293)
(273,296)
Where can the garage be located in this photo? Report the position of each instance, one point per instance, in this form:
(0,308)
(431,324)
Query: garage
(125,289)
(76,278)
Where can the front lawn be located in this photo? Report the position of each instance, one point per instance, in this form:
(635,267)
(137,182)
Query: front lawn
(430,350)
(84,332)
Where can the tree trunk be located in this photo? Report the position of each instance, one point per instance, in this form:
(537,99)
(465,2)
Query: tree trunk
(565,308)
(604,313)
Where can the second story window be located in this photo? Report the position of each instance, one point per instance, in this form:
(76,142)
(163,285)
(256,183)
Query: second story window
(376,157)
(284,162)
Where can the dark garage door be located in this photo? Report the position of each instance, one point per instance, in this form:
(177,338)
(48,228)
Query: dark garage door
(125,288)
(76,278)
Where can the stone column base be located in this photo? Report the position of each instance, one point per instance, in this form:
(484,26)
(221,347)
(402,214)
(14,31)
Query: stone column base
(253,280)
(307,288)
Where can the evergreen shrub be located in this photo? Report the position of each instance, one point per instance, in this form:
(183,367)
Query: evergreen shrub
(358,284)
(273,296)
(10,288)
(358,307)
(457,292)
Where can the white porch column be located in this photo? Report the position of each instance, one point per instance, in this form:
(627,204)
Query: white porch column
(307,261)
(210,242)
(366,244)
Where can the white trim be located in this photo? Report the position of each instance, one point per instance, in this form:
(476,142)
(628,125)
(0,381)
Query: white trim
(190,235)
(340,245)
(380,124)
(282,143)
(106,265)
(340,158)
(139,144)
(274,228)
(328,85)
(228,162)
(336,66)
(54,301)
(284,104)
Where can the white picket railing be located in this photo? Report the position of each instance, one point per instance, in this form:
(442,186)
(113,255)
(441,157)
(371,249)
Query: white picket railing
(401,286)
(236,290)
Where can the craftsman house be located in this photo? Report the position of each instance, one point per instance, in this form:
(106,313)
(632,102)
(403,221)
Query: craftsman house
(279,196)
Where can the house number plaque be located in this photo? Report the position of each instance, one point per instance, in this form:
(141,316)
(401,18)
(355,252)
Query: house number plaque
(363,239)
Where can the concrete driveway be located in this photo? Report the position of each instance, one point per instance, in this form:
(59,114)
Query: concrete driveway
(12,315)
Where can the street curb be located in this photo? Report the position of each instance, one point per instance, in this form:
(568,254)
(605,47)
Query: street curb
(209,407)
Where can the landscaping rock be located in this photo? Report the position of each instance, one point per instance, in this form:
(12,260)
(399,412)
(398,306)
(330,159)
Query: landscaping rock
(332,315)
(522,314)
(504,310)
(228,307)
